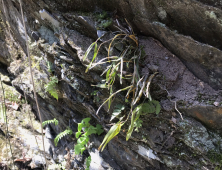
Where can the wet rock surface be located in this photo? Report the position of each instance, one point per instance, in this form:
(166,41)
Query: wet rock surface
(188,80)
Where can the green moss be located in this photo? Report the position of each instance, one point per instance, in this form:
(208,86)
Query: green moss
(210,102)
(103,20)
(11,94)
(35,62)
(199,97)
(101,16)
(216,158)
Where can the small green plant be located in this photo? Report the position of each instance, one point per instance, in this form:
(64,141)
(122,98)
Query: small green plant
(84,131)
(68,131)
(144,108)
(128,57)
(150,107)
(102,15)
(138,124)
(94,92)
(114,130)
(88,130)
(103,20)
(105,24)
(88,161)
(55,121)
(50,67)
(96,98)
(52,86)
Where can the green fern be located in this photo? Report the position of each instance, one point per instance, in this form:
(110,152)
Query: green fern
(50,67)
(88,161)
(51,87)
(55,121)
(61,135)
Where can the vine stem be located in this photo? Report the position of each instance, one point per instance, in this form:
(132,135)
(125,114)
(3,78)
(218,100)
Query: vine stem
(26,102)
(6,142)
(33,84)
(6,121)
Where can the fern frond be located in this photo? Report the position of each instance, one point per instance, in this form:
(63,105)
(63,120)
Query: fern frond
(51,87)
(61,135)
(55,121)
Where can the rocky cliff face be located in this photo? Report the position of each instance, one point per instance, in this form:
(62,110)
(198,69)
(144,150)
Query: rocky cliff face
(181,40)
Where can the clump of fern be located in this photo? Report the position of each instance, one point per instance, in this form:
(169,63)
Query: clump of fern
(68,131)
(51,87)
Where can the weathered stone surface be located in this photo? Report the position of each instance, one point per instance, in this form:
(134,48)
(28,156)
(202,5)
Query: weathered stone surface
(194,97)
(173,21)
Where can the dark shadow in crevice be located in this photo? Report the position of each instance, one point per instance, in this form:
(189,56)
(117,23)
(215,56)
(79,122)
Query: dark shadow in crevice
(4,71)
